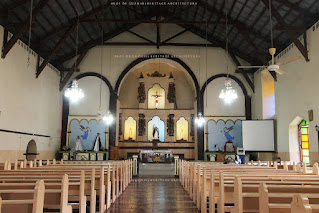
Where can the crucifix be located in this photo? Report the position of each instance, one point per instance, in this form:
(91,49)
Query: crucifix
(156,99)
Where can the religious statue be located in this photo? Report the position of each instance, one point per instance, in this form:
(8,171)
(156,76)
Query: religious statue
(97,143)
(156,99)
(78,145)
(181,134)
(155,132)
(130,134)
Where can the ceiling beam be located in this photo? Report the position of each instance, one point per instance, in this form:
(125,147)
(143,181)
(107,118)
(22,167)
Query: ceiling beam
(72,70)
(174,36)
(294,6)
(149,21)
(289,31)
(56,48)
(142,37)
(236,61)
(241,27)
(23,27)
(155,44)
(72,21)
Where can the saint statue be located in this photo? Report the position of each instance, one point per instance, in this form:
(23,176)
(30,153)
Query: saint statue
(97,143)
(181,134)
(130,134)
(156,99)
(78,145)
(155,132)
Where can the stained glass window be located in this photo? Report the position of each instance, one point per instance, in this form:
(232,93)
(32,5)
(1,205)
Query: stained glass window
(304,141)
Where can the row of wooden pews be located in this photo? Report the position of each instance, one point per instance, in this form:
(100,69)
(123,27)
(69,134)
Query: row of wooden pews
(37,186)
(255,187)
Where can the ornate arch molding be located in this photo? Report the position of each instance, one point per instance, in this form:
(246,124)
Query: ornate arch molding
(87,74)
(154,56)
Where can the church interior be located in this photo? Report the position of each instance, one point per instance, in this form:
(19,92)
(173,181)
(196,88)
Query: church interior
(159,106)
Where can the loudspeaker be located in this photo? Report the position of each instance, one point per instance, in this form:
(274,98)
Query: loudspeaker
(310,115)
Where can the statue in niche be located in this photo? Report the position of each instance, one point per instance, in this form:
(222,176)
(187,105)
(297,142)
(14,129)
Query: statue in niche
(170,125)
(141,93)
(156,74)
(171,97)
(181,134)
(130,134)
(192,133)
(141,124)
(155,132)
(156,99)
(120,124)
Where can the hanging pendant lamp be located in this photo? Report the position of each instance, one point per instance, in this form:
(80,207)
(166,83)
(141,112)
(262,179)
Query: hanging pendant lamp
(228,93)
(74,93)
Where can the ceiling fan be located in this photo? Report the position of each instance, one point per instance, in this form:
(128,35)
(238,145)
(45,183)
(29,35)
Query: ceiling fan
(273,66)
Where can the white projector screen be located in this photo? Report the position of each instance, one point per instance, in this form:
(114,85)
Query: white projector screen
(258,135)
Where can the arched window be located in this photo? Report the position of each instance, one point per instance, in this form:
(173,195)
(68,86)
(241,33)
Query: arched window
(130,129)
(156,97)
(304,141)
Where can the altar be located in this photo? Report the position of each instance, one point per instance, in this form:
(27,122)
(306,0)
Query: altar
(85,155)
(156,156)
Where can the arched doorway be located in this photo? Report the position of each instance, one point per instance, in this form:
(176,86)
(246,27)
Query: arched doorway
(31,151)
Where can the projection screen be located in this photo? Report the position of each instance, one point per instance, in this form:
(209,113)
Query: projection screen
(258,135)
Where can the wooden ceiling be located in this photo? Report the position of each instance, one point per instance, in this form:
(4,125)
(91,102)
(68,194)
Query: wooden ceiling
(55,22)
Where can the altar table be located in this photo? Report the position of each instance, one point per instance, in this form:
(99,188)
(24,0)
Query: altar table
(156,156)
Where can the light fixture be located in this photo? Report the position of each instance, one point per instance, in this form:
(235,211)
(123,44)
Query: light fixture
(199,120)
(229,94)
(108,118)
(317,128)
(74,93)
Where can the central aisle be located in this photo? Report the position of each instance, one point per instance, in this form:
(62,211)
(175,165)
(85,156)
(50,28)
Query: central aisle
(146,195)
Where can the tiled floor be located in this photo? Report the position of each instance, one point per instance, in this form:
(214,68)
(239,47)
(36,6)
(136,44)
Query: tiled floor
(154,194)
(156,169)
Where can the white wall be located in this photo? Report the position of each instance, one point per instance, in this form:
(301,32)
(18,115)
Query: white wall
(295,94)
(218,107)
(89,105)
(28,105)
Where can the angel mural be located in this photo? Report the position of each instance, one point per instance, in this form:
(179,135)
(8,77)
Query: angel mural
(221,133)
(227,135)
(86,132)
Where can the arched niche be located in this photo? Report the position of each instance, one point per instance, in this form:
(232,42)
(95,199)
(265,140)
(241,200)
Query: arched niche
(89,105)
(31,149)
(156,97)
(182,129)
(130,129)
(156,122)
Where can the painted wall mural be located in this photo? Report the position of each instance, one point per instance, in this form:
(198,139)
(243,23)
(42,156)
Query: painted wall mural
(87,130)
(221,132)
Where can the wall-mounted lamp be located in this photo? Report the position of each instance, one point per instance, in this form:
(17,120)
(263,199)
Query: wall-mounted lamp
(317,128)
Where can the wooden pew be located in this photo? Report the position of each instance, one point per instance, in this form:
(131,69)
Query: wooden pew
(14,203)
